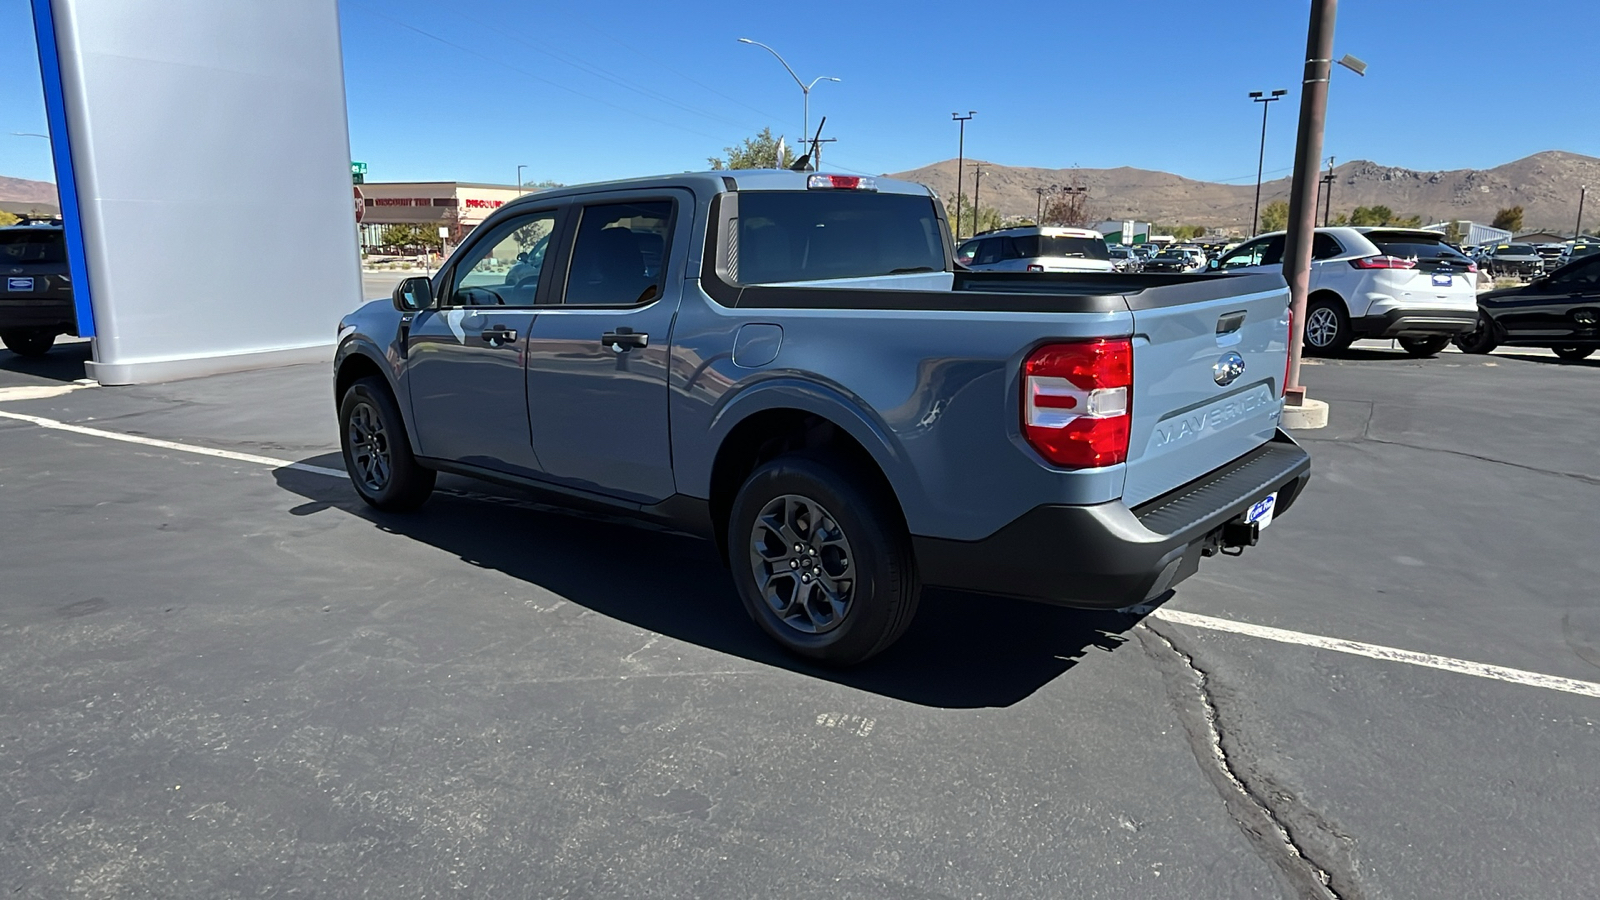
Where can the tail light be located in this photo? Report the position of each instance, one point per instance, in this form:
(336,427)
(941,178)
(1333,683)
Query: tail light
(1383,262)
(1288,358)
(1472,268)
(841,183)
(1077,401)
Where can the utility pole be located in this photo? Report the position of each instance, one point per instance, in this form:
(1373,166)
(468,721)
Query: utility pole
(961,158)
(977,184)
(519,180)
(1302,193)
(1266,104)
(1327,179)
(1577,230)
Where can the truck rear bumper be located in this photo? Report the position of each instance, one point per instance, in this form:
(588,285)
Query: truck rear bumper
(1108,556)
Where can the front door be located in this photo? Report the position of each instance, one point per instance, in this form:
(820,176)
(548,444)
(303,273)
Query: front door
(466,355)
(598,356)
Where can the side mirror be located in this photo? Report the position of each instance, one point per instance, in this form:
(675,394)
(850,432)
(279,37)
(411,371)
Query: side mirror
(1214,264)
(413,294)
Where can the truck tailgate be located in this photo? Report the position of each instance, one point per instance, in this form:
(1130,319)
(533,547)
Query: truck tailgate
(1208,368)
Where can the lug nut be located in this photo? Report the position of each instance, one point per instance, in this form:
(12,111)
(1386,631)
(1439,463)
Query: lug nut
(794,563)
(799,547)
(805,579)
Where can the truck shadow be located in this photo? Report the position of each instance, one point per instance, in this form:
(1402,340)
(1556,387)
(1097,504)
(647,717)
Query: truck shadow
(962,651)
(65,362)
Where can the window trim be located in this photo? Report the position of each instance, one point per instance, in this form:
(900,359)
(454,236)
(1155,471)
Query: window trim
(444,289)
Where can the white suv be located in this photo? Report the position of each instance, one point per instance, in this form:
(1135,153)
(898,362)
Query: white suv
(1036,249)
(1376,283)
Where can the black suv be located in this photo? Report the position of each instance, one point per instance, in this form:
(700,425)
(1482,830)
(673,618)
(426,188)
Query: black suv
(36,297)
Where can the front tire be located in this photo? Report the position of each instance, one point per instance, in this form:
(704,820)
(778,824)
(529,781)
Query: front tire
(822,560)
(1573,354)
(377,452)
(1328,328)
(28,343)
(1424,347)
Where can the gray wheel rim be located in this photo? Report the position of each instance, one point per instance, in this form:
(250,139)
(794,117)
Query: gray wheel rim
(369,447)
(803,565)
(1321,327)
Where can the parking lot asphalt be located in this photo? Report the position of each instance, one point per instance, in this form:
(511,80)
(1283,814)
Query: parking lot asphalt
(227,677)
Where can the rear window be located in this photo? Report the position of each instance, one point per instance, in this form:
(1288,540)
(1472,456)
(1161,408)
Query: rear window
(816,235)
(1414,246)
(1032,246)
(32,246)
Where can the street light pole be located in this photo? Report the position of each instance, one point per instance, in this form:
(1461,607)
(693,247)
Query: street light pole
(977,185)
(1261,159)
(519,179)
(961,158)
(1302,193)
(1577,230)
(1327,211)
(805,89)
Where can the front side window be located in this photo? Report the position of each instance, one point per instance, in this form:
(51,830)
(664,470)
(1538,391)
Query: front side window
(619,254)
(788,236)
(504,269)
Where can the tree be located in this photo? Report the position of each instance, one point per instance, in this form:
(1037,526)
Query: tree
(1453,235)
(1275,216)
(759,152)
(407,237)
(1509,219)
(985,219)
(7,218)
(1372,215)
(1068,209)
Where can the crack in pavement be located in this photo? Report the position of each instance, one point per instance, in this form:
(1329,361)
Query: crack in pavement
(1258,813)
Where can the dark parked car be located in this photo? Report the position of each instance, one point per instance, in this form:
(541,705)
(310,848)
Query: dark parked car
(36,302)
(1560,311)
(1516,260)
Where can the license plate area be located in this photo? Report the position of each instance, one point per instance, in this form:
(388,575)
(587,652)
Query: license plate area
(23,285)
(1260,513)
(1443,280)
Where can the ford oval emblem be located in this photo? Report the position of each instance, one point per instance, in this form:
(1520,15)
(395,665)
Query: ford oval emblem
(1228,369)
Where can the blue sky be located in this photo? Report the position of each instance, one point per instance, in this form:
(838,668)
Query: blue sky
(468,89)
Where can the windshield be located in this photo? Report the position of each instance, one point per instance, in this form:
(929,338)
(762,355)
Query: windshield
(1121,254)
(32,246)
(1516,250)
(1172,254)
(1584,249)
(1032,246)
(813,235)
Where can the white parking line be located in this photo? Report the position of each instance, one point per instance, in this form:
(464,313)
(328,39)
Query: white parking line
(173,445)
(1378,651)
(1193,620)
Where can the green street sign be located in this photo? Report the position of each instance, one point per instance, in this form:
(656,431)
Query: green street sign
(358,172)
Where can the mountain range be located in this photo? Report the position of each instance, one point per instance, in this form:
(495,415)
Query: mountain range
(1545,185)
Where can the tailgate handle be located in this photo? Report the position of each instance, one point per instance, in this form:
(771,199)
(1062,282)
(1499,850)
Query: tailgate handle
(1228,323)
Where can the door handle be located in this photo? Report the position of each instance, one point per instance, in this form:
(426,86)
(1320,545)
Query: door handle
(496,337)
(623,341)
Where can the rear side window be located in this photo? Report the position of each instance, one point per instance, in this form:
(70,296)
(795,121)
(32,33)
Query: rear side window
(1325,246)
(817,235)
(32,246)
(618,253)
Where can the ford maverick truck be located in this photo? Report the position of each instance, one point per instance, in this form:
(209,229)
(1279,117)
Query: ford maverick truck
(791,365)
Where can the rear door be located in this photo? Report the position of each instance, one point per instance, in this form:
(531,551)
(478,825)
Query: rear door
(598,356)
(465,355)
(1208,366)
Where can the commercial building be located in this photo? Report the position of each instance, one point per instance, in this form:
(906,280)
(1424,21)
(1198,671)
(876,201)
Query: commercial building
(455,205)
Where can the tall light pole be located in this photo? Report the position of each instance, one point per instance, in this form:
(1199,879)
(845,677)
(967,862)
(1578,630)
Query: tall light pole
(519,179)
(805,89)
(1261,159)
(977,184)
(1577,230)
(961,159)
(1327,211)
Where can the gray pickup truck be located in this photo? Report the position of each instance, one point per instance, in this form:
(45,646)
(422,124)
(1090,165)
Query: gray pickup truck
(791,365)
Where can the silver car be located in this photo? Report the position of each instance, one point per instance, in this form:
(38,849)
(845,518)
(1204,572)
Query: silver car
(1036,249)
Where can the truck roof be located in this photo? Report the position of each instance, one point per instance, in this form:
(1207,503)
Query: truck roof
(718,181)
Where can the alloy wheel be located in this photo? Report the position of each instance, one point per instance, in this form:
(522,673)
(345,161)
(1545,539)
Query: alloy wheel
(1321,327)
(369,447)
(802,562)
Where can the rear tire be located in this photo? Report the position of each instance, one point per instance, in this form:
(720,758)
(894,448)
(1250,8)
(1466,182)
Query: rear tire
(1573,354)
(1482,340)
(1328,330)
(822,560)
(1424,347)
(28,343)
(377,451)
